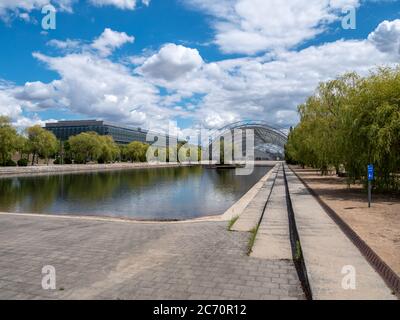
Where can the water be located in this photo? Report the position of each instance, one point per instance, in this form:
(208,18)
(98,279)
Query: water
(164,193)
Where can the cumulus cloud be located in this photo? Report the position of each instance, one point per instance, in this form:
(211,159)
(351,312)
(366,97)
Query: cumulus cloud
(104,45)
(25,122)
(94,86)
(110,40)
(386,36)
(252,26)
(67,45)
(121,4)
(172,62)
(20,8)
(268,87)
(9,105)
(272,89)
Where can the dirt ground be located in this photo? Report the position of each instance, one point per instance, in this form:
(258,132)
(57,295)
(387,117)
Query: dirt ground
(378,226)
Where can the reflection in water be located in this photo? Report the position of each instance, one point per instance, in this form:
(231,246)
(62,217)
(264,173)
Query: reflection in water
(164,193)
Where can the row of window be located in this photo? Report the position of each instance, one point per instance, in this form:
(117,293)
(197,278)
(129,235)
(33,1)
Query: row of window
(119,135)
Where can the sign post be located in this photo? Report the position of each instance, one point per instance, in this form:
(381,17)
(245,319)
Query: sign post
(370,179)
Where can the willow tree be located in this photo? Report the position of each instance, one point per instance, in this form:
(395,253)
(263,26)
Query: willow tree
(41,143)
(85,147)
(136,151)
(109,149)
(351,122)
(8,137)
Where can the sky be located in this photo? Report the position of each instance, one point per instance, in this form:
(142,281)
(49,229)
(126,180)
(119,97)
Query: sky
(197,62)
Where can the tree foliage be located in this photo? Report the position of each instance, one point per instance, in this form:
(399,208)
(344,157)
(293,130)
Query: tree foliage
(136,151)
(41,142)
(349,123)
(8,136)
(86,146)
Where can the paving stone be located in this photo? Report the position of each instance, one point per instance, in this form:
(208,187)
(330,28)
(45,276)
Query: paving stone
(123,260)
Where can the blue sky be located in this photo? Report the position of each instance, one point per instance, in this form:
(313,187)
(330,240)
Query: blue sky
(193,61)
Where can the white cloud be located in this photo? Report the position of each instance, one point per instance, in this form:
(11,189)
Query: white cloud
(20,8)
(110,40)
(268,87)
(386,36)
(252,26)
(25,122)
(9,105)
(67,45)
(121,4)
(272,90)
(94,86)
(171,62)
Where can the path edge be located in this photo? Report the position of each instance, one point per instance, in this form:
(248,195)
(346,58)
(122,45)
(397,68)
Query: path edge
(391,279)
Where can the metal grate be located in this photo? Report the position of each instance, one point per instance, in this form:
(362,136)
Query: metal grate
(388,275)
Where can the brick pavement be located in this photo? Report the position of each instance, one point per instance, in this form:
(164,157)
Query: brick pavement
(124,260)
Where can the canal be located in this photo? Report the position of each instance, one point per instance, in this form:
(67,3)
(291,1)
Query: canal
(151,194)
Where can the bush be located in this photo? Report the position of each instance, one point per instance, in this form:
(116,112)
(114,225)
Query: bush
(10,163)
(66,161)
(23,162)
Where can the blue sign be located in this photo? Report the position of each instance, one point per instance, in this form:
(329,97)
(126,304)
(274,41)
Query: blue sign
(370,172)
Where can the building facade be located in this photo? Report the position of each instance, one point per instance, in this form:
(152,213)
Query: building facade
(121,134)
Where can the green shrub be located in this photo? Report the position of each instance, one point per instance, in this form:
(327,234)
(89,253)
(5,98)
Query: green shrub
(10,163)
(22,162)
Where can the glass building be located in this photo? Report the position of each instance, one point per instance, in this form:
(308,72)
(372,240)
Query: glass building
(121,134)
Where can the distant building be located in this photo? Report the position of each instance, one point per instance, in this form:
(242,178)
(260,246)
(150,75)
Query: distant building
(120,133)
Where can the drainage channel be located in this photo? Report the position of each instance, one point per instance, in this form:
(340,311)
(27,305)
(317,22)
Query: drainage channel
(269,196)
(297,252)
(391,279)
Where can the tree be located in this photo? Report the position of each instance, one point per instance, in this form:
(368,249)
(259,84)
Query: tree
(109,149)
(351,122)
(22,146)
(8,137)
(123,151)
(42,143)
(85,147)
(136,151)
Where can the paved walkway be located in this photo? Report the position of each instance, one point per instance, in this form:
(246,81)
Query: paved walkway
(273,240)
(124,260)
(328,252)
(250,217)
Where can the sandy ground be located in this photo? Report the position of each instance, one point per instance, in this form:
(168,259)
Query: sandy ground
(378,226)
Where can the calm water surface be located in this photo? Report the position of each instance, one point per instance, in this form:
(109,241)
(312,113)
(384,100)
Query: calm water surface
(165,193)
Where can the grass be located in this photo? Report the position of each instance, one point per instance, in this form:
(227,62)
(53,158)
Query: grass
(252,239)
(298,253)
(232,222)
